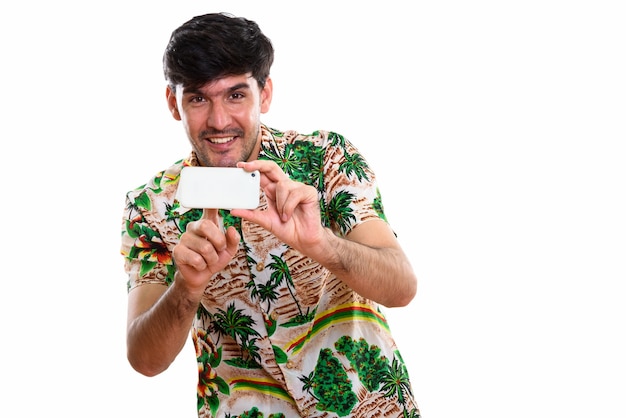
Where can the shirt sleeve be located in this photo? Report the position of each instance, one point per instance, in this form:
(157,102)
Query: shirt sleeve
(147,258)
(352,195)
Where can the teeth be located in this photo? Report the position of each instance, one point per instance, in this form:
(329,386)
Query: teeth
(221,140)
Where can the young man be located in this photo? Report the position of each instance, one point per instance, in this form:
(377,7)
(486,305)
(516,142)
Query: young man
(282,301)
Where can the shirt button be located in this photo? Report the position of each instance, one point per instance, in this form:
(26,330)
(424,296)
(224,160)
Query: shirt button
(260,267)
(290,364)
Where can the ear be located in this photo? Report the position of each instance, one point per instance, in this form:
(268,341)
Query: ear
(170,96)
(266,95)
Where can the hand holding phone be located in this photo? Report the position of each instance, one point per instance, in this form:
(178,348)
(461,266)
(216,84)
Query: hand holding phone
(218,188)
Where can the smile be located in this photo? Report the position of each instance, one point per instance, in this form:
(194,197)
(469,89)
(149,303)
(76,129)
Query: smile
(221,140)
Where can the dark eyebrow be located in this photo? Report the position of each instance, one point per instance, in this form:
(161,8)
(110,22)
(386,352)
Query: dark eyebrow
(238,86)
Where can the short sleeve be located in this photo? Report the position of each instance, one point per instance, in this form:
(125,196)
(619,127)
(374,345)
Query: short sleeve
(147,258)
(352,196)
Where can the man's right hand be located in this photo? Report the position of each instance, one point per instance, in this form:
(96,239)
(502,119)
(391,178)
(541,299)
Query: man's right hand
(203,250)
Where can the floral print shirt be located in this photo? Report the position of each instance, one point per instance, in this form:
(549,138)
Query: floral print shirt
(276,334)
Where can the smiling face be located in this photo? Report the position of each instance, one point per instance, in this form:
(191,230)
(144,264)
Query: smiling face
(222,118)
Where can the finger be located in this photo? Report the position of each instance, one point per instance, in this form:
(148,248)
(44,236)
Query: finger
(269,170)
(211,215)
(270,190)
(284,201)
(290,195)
(265,218)
(186,256)
(202,231)
(259,217)
(232,240)
(202,254)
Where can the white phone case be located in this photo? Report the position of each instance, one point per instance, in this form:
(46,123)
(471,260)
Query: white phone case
(218,188)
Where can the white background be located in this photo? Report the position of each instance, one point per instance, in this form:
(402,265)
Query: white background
(496,129)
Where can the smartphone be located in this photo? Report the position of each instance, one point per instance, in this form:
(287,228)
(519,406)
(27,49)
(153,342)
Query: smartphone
(218,188)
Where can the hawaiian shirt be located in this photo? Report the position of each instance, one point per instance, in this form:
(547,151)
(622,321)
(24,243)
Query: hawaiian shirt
(276,334)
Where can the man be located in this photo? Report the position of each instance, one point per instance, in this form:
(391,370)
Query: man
(282,301)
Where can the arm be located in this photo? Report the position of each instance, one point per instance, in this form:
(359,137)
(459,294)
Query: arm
(159,318)
(369,260)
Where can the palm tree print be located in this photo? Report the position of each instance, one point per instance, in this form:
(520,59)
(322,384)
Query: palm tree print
(354,164)
(287,161)
(302,161)
(339,210)
(235,324)
(396,383)
(309,383)
(336,140)
(266,293)
(280,274)
(311,167)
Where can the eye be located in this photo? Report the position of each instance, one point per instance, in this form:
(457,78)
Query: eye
(237,96)
(196,99)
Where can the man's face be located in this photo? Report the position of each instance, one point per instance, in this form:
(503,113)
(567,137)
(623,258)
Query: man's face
(222,118)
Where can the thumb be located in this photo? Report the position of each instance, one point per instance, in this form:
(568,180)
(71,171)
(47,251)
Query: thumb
(232,240)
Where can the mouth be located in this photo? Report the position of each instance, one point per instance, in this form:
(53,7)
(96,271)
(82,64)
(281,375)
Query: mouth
(220,140)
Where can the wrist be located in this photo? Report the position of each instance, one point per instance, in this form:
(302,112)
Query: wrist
(328,250)
(185,297)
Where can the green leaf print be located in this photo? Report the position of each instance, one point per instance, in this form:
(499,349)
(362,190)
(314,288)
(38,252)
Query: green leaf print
(143,201)
(332,386)
(366,360)
(279,355)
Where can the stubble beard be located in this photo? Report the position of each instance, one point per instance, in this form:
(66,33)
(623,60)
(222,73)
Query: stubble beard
(208,160)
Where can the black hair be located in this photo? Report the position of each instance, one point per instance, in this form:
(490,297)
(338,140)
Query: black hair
(215,45)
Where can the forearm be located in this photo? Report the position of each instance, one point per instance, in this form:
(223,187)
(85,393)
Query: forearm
(156,336)
(382,274)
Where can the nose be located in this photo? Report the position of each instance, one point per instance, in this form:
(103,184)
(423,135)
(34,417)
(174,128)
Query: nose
(219,117)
